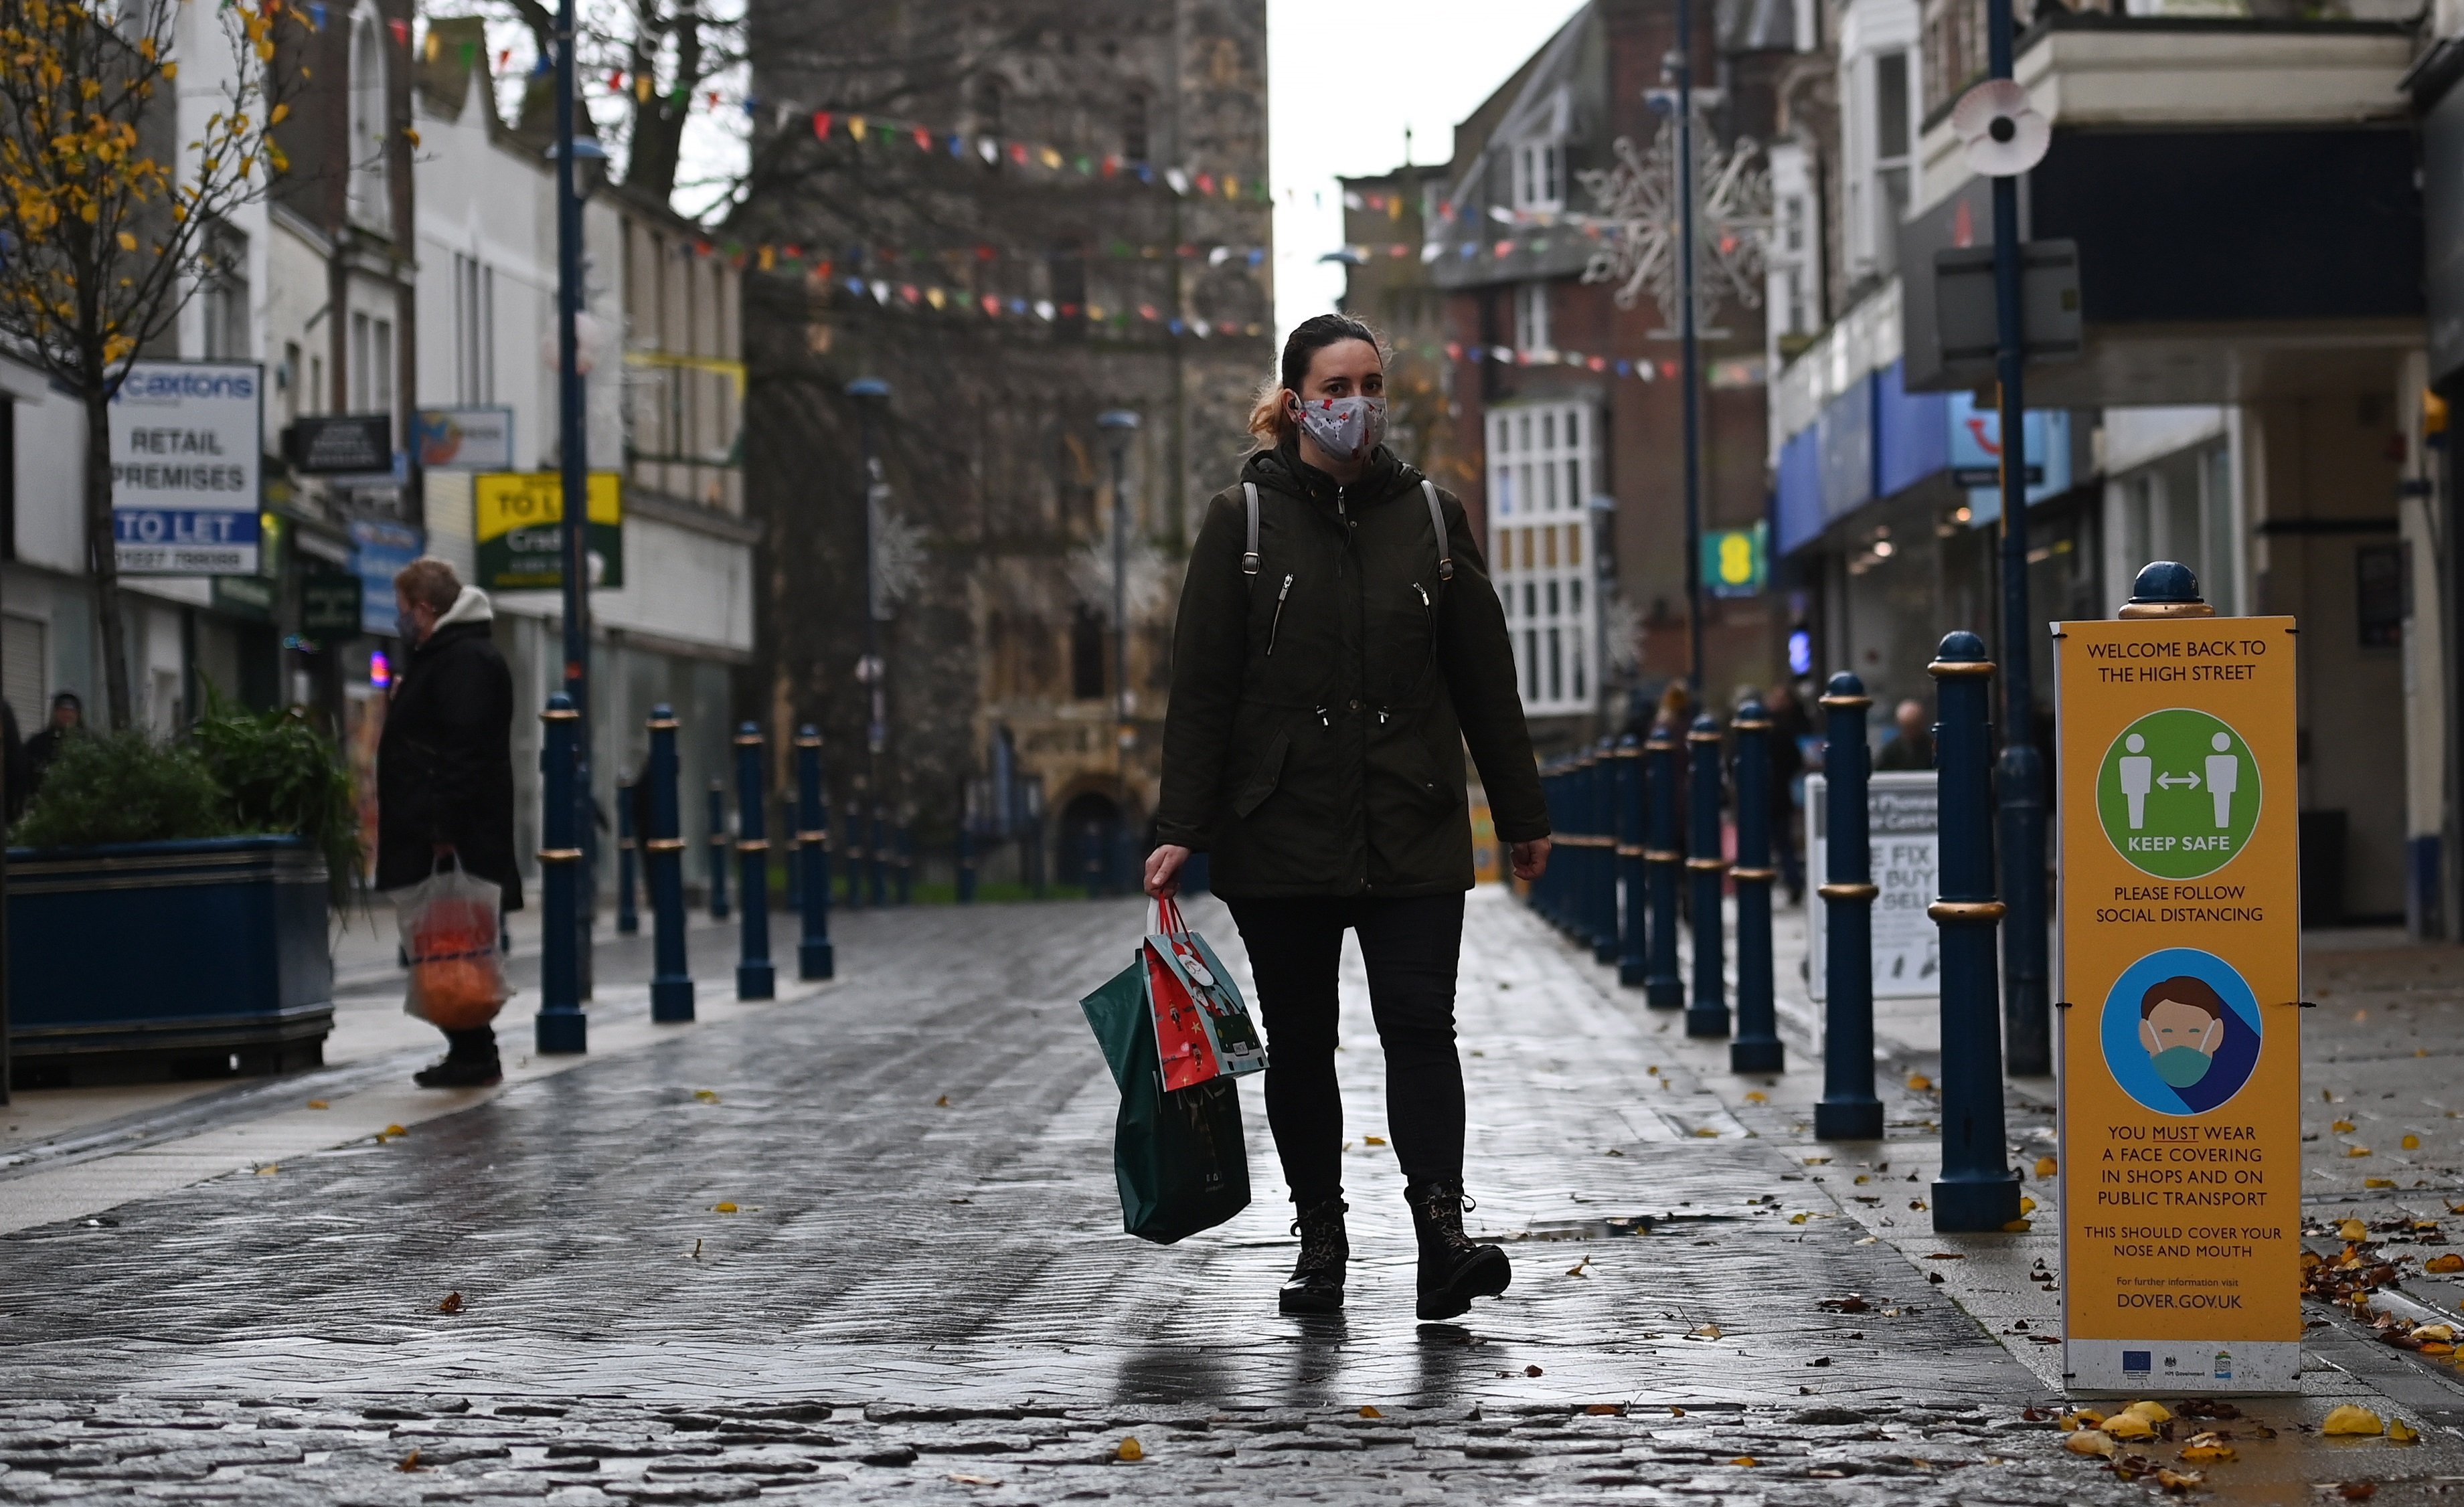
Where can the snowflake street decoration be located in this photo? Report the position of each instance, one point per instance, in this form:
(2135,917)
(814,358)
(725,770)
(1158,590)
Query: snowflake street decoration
(1732,224)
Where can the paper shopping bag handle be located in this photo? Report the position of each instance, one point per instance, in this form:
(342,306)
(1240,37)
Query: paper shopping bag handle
(1163,918)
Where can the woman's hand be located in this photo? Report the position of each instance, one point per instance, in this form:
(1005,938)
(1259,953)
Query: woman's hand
(1163,870)
(1530,858)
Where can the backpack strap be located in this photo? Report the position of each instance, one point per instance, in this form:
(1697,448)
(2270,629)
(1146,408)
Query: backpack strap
(1438,522)
(1250,556)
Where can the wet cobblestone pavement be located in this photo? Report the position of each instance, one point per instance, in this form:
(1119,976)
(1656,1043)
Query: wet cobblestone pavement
(866,1246)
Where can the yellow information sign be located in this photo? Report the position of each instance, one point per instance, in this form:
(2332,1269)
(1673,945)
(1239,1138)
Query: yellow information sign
(518,517)
(2181,1040)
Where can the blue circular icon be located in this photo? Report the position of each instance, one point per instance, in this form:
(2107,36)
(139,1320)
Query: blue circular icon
(2181,1031)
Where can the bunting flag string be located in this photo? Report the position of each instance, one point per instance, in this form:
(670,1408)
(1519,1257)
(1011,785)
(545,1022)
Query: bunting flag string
(908,297)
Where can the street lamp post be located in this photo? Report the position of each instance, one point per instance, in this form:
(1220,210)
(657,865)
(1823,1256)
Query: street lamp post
(2026,995)
(1690,354)
(871,396)
(565,940)
(1119,426)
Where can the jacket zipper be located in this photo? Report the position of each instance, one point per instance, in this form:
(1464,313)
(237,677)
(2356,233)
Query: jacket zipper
(1276,626)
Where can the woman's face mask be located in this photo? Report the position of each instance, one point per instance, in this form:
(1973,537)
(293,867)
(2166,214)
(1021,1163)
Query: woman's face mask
(1347,429)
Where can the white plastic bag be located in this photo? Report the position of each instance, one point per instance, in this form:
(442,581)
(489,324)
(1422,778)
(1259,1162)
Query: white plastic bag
(449,926)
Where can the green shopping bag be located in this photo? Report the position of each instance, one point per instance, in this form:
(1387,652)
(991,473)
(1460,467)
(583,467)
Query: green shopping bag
(1178,1156)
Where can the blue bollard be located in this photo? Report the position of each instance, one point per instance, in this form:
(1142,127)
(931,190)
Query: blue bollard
(1706,873)
(1978,1190)
(1757,1047)
(1663,857)
(755,977)
(628,914)
(1601,899)
(966,864)
(879,847)
(1632,965)
(1544,889)
(718,854)
(561,1026)
(853,899)
(1848,1110)
(815,957)
(662,874)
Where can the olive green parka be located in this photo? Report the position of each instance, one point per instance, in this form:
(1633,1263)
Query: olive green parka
(1320,708)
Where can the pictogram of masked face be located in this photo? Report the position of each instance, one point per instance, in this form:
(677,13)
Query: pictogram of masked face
(2181,1023)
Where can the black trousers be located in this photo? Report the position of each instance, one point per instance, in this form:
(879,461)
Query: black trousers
(1410,947)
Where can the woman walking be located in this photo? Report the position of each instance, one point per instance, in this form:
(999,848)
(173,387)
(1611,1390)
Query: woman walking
(1339,645)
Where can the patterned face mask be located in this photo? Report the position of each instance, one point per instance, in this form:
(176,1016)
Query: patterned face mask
(1347,429)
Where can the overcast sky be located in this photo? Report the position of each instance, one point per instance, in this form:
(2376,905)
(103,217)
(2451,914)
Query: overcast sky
(1345,80)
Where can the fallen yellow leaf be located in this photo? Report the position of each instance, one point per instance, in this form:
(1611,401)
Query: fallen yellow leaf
(2413,1143)
(2378,1181)
(1757,1096)
(2435,1331)
(1130,1450)
(2449,1262)
(2151,1411)
(1796,1219)
(2046,1167)
(1706,1331)
(2343,1127)
(1919,1083)
(2353,1230)
(2207,1450)
(318,1104)
(1372,1140)
(2027,1205)
(2018,1226)
(1706,1133)
(723,1209)
(2357,1150)
(2084,1418)
(452,1303)
(942,1102)
(2350,1419)
(2179,1482)
(1370,1412)
(395,1130)
(1747,1460)
(269,1170)
(410,1463)
(2091,1441)
(705,1095)
(2128,1426)
(2400,1431)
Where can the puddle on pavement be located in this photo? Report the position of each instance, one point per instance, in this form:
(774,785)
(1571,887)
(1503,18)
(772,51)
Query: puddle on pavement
(1613,1227)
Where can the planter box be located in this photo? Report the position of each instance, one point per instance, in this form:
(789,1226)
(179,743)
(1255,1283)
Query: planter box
(167,959)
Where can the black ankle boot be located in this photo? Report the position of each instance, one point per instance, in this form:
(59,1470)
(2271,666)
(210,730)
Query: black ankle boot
(1317,1286)
(1453,1270)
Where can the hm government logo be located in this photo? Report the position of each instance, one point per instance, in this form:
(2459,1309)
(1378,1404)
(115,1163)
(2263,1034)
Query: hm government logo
(2179,794)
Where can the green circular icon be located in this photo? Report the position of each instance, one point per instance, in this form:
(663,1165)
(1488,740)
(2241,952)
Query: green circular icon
(2178,793)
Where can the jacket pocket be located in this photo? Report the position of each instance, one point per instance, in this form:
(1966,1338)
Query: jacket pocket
(1261,784)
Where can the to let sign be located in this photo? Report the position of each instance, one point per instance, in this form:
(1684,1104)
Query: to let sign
(2181,1042)
(519,518)
(185,468)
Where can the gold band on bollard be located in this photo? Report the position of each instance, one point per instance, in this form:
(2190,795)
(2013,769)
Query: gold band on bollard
(1844,700)
(664,724)
(1753,876)
(1707,865)
(821,838)
(1846,892)
(1625,753)
(1579,839)
(1631,850)
(2134,611)
(666,844)
(1698,735)
(748,740)
(1750,724)
(559,855)
(1943,670)
(1965,910)
(812,742)
(752,845)
(560,714)
(1663,856)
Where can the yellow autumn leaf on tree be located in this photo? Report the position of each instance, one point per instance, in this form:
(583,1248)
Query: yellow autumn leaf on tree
(127,242)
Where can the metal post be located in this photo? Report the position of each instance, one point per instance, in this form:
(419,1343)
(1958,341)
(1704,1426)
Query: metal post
(718,850)
(1707,873)
(572,936)
(1757,1047)
(871,395)
(1632,963)
(815,958)
(1119,426)
(663,866)
(1691,355)
(856,851)
(2022,766)
(629,912)
(561,1026)
(880,867)
(1848,1110)
(755,977)
(1663,857)
(1600,866)
(1977,1190)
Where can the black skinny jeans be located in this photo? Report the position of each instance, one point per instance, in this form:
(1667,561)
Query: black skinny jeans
(1410,947)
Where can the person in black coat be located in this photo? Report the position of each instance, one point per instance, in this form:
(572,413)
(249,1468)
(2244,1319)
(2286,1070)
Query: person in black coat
(445,768)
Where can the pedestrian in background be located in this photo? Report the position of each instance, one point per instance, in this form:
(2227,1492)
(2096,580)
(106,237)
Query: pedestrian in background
(68,721)
(1337,648)
(445,768)
(1789,727)
(1912,747)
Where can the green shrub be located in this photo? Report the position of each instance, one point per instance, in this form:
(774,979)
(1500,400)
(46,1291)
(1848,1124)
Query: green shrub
(124,787)
(279,774)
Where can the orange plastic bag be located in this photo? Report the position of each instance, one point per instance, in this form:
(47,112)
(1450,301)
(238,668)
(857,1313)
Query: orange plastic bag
(448,933)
